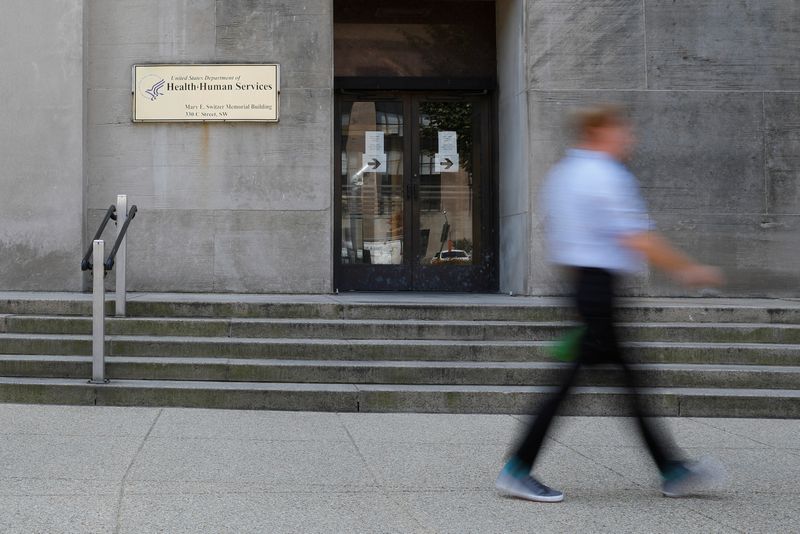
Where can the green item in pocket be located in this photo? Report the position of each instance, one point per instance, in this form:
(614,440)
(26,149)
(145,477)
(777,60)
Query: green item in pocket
(568,347)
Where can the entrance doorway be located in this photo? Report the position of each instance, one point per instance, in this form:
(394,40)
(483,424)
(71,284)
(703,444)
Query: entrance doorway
(415,202)
(415,199)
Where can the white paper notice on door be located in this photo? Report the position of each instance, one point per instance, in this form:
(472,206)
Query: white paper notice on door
(448,142)
(373,143)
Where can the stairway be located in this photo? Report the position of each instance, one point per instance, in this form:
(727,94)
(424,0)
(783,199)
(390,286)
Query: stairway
(389,353)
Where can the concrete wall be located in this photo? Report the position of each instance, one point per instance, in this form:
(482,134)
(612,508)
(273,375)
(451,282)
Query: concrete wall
(713,86)
(41,144)
(223,207)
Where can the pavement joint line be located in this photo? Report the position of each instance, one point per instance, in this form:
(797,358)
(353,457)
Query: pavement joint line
(550,437)
(642,486)
(239,483)
(59,479)
(726,431)
(685,504)
(709,425)
(367,491)
(46,434)
(56,495)
(619,447)
(374,477)
(257,440)
(596,462)
(121,494)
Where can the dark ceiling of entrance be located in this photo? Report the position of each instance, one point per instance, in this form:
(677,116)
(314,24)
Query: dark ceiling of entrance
(434,39)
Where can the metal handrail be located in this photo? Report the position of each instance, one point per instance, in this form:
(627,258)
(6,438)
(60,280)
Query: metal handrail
(111,213)
(109,263)
(100,269)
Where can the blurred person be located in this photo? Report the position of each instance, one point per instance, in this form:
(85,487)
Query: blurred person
(599,230)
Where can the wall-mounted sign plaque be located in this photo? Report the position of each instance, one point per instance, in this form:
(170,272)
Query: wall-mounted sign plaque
(204,93)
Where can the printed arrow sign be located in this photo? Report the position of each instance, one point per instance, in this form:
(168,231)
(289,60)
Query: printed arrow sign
(373,163)
(445,163)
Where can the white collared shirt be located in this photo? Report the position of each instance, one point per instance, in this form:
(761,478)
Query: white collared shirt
(591,201)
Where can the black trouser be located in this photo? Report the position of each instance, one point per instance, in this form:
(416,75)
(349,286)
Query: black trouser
(595,301)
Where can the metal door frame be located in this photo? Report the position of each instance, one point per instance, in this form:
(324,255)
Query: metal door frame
(411,275)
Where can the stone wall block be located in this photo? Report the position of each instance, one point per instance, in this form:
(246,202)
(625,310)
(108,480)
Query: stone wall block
(782,112)
(171,249)
(586,45)
(218,166)
(275,251)
(297,34)
(759,256)
(123,33)
(723,44)
(700,152)
(696,151)
(700,158)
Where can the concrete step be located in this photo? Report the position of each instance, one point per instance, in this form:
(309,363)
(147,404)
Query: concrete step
(440,353)
(393,329)
(399,306)
(400,372)
(423,350)
(689,402)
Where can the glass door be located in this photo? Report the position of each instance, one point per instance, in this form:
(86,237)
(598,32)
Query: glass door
(414,206)
(371,189)
(452,208)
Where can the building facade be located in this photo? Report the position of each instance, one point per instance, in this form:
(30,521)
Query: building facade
(469,99)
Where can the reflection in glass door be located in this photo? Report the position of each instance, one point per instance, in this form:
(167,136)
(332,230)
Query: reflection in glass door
(414,199)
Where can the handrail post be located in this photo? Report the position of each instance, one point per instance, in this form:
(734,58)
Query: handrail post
(121,262)
(98,313)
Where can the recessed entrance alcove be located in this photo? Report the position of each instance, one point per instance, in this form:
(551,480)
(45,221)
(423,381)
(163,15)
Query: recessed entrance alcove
(416,157)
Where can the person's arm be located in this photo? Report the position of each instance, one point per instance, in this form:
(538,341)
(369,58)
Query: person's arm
(662,255)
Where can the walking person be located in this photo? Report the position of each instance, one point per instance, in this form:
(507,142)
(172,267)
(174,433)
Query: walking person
(598,229)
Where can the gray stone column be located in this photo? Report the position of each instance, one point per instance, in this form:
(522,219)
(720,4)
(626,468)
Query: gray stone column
(512,121)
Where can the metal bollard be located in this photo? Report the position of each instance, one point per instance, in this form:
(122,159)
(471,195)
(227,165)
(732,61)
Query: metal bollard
(98,314)
(121,260)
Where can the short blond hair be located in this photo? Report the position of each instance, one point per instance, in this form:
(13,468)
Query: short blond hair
(587,120)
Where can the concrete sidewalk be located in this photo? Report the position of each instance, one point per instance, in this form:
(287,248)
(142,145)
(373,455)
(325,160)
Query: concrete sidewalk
(92,469)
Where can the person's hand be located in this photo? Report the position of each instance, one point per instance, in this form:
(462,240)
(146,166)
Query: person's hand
(697,275)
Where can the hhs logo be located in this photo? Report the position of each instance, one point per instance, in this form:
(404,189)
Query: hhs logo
(151,87)
(153,91)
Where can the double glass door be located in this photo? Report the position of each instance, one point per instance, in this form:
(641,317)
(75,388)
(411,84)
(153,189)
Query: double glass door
(415,207)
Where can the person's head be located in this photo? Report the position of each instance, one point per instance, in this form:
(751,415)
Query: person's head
(605,129)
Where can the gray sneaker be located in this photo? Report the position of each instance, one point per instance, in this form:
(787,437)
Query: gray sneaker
(526,487)
(689,477)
